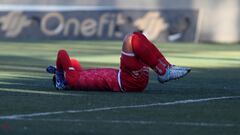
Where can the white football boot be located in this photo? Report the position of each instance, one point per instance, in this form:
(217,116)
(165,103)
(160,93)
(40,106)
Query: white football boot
(180,68)
(172,74)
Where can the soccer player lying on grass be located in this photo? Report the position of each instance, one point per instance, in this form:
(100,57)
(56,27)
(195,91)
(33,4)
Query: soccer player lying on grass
(137,56)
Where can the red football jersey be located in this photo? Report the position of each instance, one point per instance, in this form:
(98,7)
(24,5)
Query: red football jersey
(98,79)
(132,76)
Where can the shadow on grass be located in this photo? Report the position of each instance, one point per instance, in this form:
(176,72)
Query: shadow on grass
(201,81)
(18,72)
(21,72)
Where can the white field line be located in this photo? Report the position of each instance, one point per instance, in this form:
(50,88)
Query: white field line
(203,124)
(19,116)
(40,92)
(140,122)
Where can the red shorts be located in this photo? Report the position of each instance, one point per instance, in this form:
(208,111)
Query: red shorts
(133,74)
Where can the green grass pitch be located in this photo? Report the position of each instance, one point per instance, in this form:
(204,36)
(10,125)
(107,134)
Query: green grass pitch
(29,104)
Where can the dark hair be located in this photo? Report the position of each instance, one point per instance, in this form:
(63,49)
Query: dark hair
(141,31)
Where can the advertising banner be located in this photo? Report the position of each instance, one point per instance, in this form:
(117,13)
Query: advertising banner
(161,25)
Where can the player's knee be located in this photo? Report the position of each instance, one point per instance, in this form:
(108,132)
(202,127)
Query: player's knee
(127,44)
(62,52)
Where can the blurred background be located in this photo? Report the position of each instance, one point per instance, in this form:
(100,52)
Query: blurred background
(201,34)
(163,20)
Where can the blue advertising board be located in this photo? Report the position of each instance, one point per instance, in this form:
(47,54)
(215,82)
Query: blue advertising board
(161,25)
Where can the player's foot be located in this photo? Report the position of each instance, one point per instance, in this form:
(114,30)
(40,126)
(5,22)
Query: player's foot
(180,68)
(172,74)
(60,84)
(58,78)
(51,69)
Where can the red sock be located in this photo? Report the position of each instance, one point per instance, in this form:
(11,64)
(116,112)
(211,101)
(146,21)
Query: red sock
(148,53)
(64,63)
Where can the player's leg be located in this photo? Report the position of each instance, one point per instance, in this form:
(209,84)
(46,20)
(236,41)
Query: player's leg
(66,71)
(159,55)
(149,46)
(77,66)
(150,55)
(134,74)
